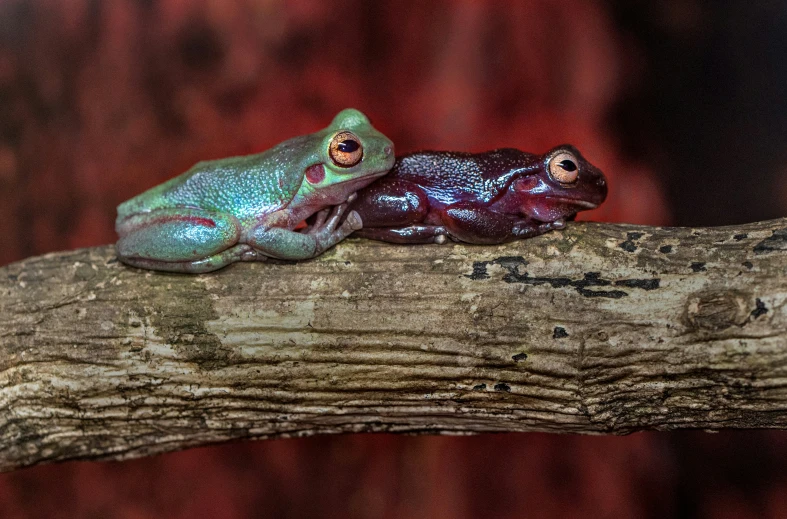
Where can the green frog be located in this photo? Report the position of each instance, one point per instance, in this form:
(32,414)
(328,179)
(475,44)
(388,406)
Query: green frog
(247,208)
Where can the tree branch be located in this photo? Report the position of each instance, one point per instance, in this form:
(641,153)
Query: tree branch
(596,329)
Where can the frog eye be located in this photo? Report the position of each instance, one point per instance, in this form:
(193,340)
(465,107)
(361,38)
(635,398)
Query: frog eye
(563,168)
(345,149)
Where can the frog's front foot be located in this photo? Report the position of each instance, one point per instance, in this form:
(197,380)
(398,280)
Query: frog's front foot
(331,226)
(559,224)
(528,229)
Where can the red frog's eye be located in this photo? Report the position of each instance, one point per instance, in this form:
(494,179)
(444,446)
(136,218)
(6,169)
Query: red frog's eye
(563,168)
(345,149)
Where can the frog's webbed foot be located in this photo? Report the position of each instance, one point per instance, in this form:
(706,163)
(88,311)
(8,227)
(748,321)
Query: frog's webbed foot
(248,253)
(326,230)
(329,218)
(331,226)
(528,228)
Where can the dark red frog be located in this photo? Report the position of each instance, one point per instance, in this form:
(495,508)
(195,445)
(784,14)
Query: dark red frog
(489,197)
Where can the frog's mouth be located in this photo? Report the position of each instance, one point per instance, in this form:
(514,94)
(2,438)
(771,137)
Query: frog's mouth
(369,177)
(573,202)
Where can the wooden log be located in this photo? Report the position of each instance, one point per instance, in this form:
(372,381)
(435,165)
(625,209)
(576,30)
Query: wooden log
(600,328)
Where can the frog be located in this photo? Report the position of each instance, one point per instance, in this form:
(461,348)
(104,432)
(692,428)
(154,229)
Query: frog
(479,198)
(248,208)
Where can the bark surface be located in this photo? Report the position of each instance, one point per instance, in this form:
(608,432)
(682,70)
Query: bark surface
(596,329)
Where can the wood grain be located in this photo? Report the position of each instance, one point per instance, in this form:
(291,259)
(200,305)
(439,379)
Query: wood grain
(600,328)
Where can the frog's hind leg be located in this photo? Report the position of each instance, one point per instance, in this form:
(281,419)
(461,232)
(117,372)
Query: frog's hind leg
(468,223)
(240,252)
(479,225)
(393,210)
(391,203)
(181,240)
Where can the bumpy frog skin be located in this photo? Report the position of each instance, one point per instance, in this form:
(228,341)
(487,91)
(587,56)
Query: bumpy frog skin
(246,208)
(489,197)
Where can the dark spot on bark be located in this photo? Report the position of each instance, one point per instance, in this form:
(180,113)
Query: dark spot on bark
(777,241)
(644,284)
(12,277)
(179,315)
(591,279)
(739,237)
(665,249)
(698,266)
(510,263)
(513,264)
(479,387)
(629,245)
(523,356)
(760,310)
(559,332)
(479,271)
(748,264)
(602,336)
(502,386)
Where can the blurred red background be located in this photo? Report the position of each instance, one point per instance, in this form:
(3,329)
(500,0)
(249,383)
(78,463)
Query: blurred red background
(681,103)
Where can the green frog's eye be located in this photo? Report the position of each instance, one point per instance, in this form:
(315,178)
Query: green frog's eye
(345,149)
(563,168)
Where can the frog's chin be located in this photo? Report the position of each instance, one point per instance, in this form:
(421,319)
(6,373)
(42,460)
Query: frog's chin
(552,208)
(339,191)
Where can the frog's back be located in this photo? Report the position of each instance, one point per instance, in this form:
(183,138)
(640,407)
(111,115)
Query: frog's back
(244,186)
(449,176)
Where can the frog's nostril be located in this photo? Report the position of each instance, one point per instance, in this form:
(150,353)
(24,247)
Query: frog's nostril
(388,150)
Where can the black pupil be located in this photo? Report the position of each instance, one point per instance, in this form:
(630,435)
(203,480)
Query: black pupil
(348,146)
(568,165)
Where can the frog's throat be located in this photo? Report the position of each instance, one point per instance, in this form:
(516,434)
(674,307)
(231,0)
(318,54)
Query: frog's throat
(314,198)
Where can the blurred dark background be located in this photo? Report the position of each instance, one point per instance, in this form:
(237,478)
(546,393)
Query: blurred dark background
(683,103)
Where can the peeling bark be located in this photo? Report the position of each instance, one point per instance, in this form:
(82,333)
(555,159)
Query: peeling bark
(596,329)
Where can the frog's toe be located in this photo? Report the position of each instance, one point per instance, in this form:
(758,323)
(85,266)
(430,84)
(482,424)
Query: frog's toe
(352,198)
(353,221)
(336,216)
(319,220)
(248,253)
